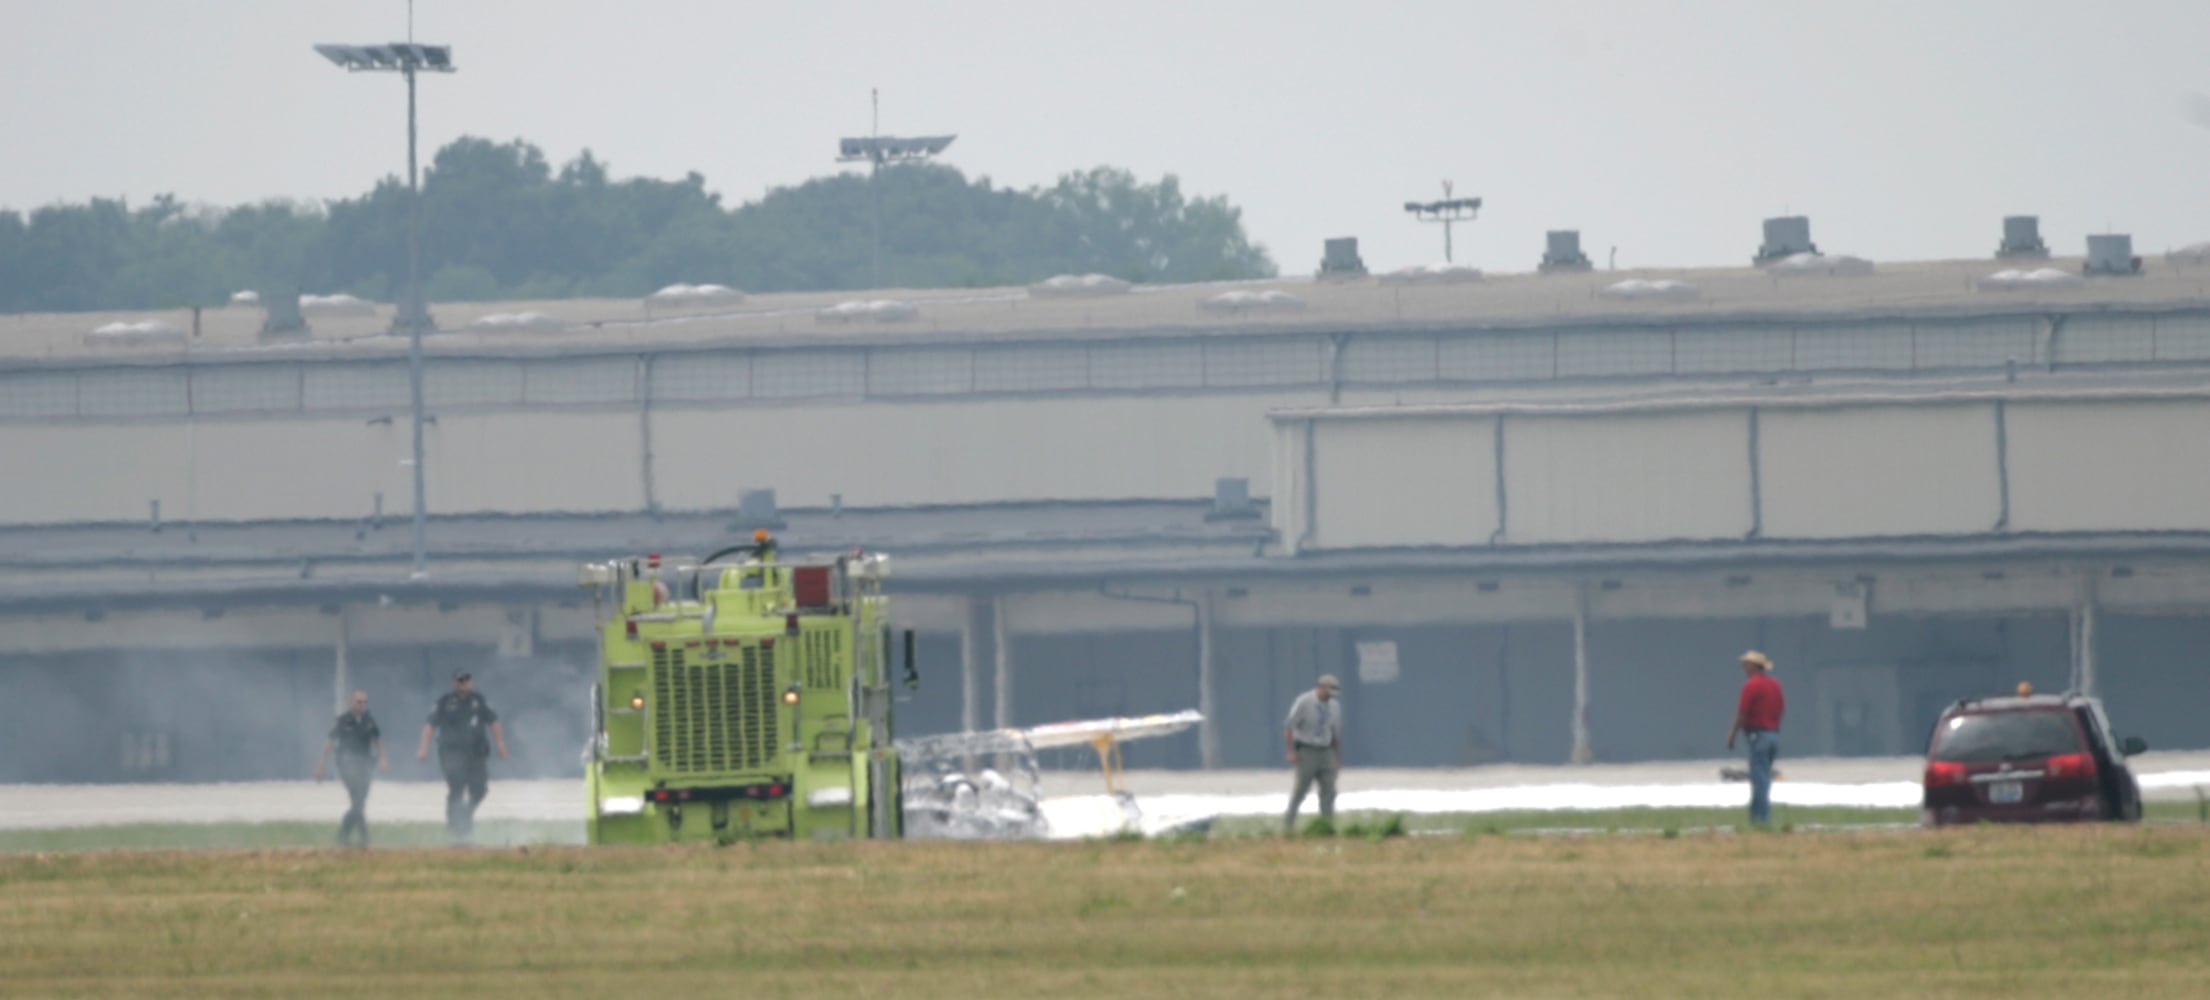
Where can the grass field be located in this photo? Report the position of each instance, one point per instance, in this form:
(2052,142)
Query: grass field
(1973,912)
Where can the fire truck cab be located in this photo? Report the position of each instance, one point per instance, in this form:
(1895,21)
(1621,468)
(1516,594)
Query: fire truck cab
(741,697)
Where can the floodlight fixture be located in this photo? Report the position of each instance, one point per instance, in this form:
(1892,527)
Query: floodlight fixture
(407,59)
(876,150)
(1447,211)
(887,148)
(1456,208)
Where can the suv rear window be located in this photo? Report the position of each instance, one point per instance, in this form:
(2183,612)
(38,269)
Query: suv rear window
(1999,736)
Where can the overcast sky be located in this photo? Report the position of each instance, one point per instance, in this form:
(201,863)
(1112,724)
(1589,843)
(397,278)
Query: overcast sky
(1905,130)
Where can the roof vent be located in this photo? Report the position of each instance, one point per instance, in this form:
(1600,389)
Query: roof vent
(2022,239)
(867,311)
(755,510)
(1819,263)
(1785,236)
(2111,254)
(339,304)
(530,322)
(1240,302)
(1654,290)
(1562,252)
(680,294)
(282,315)
(1340,260)
(129,334)
(1432,274)
(412,313)
(2011,280)
(1231,501)
(1078,285)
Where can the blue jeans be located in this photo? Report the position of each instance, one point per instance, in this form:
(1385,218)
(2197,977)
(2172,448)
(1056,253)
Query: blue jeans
(1763,747)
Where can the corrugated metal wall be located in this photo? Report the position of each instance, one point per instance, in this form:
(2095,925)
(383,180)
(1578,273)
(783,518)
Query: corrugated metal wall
(2110,466)
(1875,469)
(1879,471)
(1408,482)
(906,424)
(1655,478)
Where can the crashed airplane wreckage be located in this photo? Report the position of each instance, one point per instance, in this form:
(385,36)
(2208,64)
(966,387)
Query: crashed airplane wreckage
(947,797)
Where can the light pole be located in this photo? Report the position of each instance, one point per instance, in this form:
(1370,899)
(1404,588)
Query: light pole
(880,149)
(1446,211)
(406,58)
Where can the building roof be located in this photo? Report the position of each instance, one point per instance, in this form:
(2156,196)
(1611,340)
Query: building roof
(1918,290)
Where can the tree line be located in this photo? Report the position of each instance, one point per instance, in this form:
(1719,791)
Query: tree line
(500,223)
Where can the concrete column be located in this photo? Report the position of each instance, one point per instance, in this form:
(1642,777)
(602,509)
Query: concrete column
(1583,752)
(2088,681)
(970,674)
(970,667)
(341,677)
(644,431)
(1004,651)
(2072,654)
(1208,731)
(2083,637)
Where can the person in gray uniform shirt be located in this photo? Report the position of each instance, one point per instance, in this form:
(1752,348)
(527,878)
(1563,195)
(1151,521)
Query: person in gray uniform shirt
(360,748)
(1314,734)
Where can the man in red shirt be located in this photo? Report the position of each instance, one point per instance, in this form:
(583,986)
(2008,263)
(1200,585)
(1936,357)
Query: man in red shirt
(1757,717)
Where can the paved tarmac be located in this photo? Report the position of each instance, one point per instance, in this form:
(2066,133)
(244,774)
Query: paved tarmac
(1879,781)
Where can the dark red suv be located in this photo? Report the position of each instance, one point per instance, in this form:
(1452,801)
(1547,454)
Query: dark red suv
(2030,759)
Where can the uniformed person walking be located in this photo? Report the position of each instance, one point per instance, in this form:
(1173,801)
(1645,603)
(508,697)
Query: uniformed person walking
(1314,734)
(357,742)
(466,729)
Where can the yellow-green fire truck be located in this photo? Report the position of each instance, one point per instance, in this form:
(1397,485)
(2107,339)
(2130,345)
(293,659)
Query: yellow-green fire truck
(739,697)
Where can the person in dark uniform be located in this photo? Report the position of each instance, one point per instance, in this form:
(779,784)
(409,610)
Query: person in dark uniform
(357,742)
(461,721)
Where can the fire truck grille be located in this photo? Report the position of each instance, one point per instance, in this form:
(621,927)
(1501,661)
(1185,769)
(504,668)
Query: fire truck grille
(715,715)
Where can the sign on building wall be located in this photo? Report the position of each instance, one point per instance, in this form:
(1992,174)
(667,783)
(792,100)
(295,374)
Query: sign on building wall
(518,636)
(1377,662)
(1851,607)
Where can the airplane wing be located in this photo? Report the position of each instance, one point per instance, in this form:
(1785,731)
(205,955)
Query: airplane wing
(1085,732)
